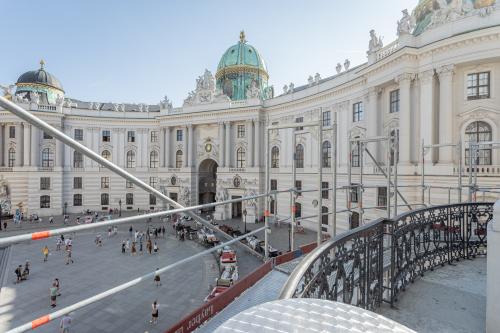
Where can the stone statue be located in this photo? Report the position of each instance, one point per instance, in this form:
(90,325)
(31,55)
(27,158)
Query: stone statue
(97,106)
(317,77)
(165,103)
(35,97)
(146,108)
(291,87)
(5,202)
(116,107)
(91,105)
(406,24)
(253,91)
(20,97)
(338,68)
(221,195)
(204,92)
(185,196)
(375,43)
(59,100)
(122,107)
(310,80)
(347,64)
(285,89)
(141,107)
(7,90)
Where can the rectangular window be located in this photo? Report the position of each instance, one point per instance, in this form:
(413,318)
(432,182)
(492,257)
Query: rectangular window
(45,201)
(77,183)
(129,199)
(77,200)
(354,192)
(298,186)
(324,192)
(274,185)
(47,136)
(327,118)
(45,183)
(129,184)
(104,182)
(154,136)
(152,199)
(478,85)
(12,132)
(153,181)
(241,131)
(394,101)
(382,197)
(130,136)
(106,136)
(357,112)
(299,120)
(179,135)
(78,134)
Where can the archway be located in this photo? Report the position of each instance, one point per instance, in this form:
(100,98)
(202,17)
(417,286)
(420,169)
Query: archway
(207,183)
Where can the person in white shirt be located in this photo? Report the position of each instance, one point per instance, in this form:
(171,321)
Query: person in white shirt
(65,323)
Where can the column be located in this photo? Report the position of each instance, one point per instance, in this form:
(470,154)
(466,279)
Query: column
(95,144)
(121,147)
(222,142)
(227,154)
(35,146)
(2,144)
(406,130)
(144,148)
(114,143)
(186,146)
(167,147)
(446,112)
(140,152)
(190,145)
(427,121)
(87,137)
(162,147)
(19,145)
(257,143)
(26,143)
(59,152)
(250,143)
(67,149)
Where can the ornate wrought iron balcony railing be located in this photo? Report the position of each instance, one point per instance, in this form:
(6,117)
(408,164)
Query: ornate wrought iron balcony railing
(374,263)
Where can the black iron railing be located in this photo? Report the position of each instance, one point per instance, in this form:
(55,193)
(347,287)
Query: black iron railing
(375,262)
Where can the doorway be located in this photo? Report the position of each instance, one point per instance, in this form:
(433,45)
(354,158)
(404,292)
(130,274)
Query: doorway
(236,207)
(207,183)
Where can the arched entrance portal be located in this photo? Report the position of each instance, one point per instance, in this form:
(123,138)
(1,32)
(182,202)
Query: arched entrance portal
(207,184)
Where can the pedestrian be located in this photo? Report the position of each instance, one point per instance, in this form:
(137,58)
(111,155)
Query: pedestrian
(26,271)
(78,220)
(66,323)
(68,256)
(149,246)
(133,250)
(156,233)
(5,225)
(163,231)
(45,252)
(109,232)
(136,233)
(130,231)
(66,220)
(127,244)
(123,247)
(155,248)
(154,313)
(57,284)
(58,244)
(19,273)
(157,278)
(140,245)
(53,295)
(51,220)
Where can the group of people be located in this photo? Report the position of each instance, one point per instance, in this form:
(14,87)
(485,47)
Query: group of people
(128,246)
(22,274)
(68,247)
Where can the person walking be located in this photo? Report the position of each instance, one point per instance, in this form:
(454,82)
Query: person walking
(123,247)
(154,313)
(163,231)
(127,244)
(51,220)
(149,246)
(58,244)
(45,252)
(155,248)
(53,295)
(19,273)
(57,284)
(68,256)
(66,323)
(133,250)
(157,278)
(130,231)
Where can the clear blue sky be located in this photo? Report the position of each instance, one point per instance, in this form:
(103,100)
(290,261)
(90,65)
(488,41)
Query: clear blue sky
(138,51)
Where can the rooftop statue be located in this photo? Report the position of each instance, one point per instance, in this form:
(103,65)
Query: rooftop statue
(253,91)
(406,24)
(347,64)
(375,43)
(338,68)
(165,103)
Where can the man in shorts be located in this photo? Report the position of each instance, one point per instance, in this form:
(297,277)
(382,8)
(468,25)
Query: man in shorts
(53,295)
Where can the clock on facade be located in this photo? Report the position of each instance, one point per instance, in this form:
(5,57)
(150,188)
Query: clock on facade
(237,181)
(208,147)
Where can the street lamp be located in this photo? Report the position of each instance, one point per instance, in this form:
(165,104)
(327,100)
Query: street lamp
(0,217)
(120,203)
(65,208)
(245,215)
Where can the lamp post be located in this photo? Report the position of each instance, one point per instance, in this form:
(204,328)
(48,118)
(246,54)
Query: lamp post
(120,203)
(65,208)
(245,217)
(0,217)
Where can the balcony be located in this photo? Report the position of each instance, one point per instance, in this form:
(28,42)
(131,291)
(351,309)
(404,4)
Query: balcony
(6,169)
(42,107)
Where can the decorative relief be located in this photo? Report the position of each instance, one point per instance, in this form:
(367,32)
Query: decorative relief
(205,92)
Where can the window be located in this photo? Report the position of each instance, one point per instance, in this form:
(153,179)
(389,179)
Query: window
(355,153)
(299,120)
(45,201)
(394,135)
(325,191)
(153,181)
(154,159)
(129,184)
(104,199)
(106,136)
(275,157)
(104,182)
(129,199)
(130,136)
(45,183)
(106,154)
(298,186)
(178,159)
(299,156)
(298,210)
(324,218)
(78,134)
(154,136)
(152,199)
(47,158)
(241,131)
(327,118)
(274,185)
(326,155)
(478,131)
(77,183)
(382,197)
(240,158)
(130,159)
(357,112)
(354,192)
(272,206)
(12,132)
(12,157)
(47,136)
(478,85)
(394,101)
(77,200)
(179,135)
(77,160)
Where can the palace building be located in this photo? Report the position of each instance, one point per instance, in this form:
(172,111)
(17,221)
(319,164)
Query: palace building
(438,83)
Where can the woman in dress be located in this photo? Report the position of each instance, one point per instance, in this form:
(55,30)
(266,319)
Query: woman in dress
(154,313)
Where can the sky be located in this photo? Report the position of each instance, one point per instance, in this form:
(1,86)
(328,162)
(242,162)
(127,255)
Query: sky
(126,51)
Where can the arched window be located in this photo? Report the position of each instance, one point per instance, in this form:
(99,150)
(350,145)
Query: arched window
(275,157)
(272,206)
(478,131)
(324,218)
(130,159)
(129,199)
(12,157)
(394,135)
(47,157)
(240,158)
(355,154)
(77,160)
(104,199)
(106,154)
(154,159)
(298,209)
(45,201)
(326,157)
(178,159)
(77,200)
(299,156)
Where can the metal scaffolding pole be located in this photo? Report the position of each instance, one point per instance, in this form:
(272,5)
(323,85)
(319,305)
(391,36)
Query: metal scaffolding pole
(396,162)
(266,211)
(422,172)
(293,196)
(320,177)
(334,168)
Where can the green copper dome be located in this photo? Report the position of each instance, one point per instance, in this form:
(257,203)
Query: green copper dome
(42,83)
(242,69)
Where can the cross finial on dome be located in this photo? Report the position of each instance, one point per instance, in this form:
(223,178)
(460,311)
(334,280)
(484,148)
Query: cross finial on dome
(42,63)
(242,36)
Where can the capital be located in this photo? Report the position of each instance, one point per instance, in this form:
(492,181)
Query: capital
(426,76)
(405,78)
(447,70)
